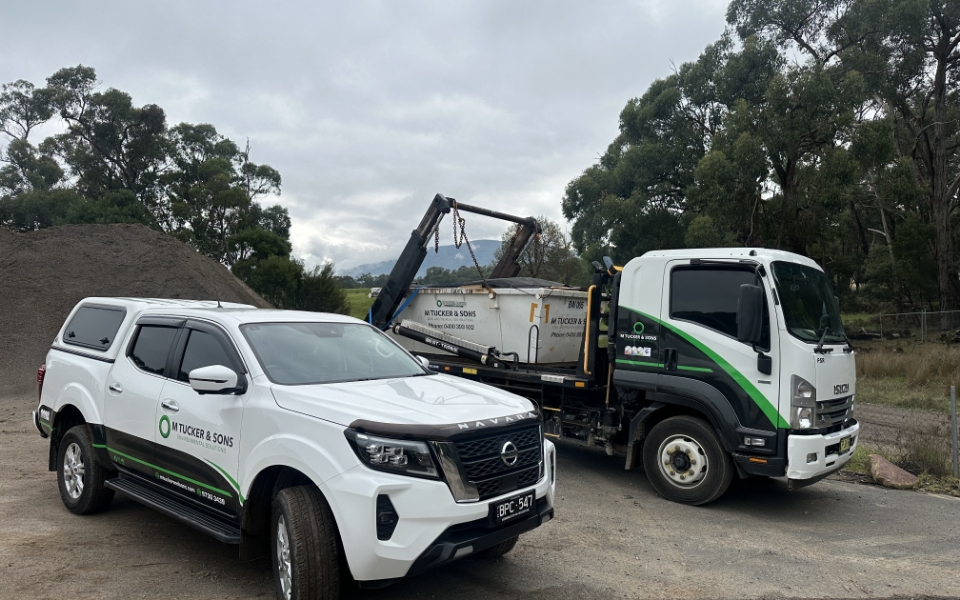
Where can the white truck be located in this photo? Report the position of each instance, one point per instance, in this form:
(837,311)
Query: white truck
(707,364)
(310,437)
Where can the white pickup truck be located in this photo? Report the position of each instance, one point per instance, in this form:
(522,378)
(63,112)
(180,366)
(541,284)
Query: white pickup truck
(310,437)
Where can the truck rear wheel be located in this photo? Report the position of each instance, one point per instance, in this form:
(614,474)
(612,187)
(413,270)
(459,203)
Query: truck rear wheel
(685,462)
(304,550)
(80,475)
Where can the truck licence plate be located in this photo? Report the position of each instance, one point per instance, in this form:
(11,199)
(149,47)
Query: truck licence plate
(844,444)
(509,509)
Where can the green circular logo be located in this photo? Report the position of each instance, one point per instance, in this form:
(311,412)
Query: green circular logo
(638,328)
(165,426)
(439,304)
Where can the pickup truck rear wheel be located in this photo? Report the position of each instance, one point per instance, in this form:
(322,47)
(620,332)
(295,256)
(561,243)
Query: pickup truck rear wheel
(498,550)
(685,462)
(80,475)
(304,549)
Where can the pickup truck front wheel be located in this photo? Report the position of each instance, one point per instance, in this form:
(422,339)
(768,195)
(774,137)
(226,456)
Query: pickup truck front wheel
(685,462)
(305,553)
(80,475)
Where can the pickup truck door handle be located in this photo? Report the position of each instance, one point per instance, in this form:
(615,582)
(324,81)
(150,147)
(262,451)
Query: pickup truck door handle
(170,405)
(115,387)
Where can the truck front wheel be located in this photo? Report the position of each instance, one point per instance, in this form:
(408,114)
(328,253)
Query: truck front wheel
(685,462)
(80,475)
(305,554)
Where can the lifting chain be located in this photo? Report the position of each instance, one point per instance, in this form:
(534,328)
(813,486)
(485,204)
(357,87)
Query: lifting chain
(460,223)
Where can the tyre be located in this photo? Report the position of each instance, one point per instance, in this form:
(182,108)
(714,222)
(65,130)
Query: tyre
(498,550)
(685,462)
(80,476)
(303,543)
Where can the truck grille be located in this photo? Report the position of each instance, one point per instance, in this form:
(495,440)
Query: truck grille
(833,412)
(484,467)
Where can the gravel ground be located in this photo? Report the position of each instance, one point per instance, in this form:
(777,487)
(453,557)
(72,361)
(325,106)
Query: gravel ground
(612,538)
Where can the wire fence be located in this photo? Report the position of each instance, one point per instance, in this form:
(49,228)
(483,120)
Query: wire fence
(917,440)
(925,326)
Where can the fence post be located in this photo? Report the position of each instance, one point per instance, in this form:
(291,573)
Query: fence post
(953,422)
(881,325)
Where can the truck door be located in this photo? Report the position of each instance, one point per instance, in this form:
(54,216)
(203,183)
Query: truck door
(702,358)
(198,435)
(133,387)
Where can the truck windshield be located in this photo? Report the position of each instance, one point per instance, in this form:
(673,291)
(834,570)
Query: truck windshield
(310,353)
(808,303)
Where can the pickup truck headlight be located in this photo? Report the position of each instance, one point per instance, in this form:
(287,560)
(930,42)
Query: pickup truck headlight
(404,457)
(803,403)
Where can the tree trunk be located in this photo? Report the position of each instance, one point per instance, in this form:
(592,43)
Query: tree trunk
(940,200)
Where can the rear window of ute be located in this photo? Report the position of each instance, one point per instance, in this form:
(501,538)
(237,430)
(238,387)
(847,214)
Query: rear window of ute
(94,327)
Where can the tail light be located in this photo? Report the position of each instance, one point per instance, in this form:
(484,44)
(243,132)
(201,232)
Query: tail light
(41,372)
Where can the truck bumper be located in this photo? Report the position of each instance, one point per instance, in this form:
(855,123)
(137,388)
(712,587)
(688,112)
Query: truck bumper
(813,457)
(432,528)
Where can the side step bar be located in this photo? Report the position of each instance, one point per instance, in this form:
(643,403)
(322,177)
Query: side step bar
(181,511)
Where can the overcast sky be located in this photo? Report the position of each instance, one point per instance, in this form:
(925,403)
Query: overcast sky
(368,109)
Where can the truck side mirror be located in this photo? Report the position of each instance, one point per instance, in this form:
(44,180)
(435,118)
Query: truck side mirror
(749,314)
(215,379)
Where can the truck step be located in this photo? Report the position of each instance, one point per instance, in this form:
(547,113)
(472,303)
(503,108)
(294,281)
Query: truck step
(145,494)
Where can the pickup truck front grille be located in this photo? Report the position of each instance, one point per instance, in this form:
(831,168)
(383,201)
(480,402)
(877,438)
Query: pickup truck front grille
(483,465)
(834,411)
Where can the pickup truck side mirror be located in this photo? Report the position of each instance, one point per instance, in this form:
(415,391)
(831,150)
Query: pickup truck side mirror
(424,361)
(749,314)
(215,379)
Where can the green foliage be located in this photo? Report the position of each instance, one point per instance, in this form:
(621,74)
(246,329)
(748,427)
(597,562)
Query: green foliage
(120,163)
(320,292)
(285,283)
(438,276)
(276,278)
(549,255)
(828,128)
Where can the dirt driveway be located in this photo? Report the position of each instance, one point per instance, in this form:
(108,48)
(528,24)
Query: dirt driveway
(613,538)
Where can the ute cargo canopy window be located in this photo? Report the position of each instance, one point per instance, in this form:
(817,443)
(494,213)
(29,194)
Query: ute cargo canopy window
(94,327)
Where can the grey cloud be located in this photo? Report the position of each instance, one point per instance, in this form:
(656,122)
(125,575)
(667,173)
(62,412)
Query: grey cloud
(369,108)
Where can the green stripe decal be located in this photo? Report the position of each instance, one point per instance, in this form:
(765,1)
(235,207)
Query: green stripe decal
(232,481)
(99,446)
(623,361)
(697,369)
(761,401)
(168,472)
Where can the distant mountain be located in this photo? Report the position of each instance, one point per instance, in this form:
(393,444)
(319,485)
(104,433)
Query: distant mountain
(449,257)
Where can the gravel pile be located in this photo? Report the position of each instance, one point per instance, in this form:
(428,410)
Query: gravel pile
(45,273)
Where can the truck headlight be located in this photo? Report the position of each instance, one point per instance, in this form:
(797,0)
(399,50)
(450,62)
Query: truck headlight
(803,401)
(404,457)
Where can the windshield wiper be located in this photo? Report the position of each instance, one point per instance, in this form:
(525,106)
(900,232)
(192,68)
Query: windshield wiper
(823,337)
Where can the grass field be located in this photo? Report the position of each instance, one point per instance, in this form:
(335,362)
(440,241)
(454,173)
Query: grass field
(907,374)
(359,302)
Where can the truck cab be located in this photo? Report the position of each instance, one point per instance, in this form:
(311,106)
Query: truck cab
(779,399)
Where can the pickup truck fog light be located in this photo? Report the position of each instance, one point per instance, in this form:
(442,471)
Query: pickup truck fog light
(387,518)
(404,457)
(812,457)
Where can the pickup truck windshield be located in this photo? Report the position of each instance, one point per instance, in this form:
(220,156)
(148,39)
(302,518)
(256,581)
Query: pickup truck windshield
(310,353)
(808,303)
